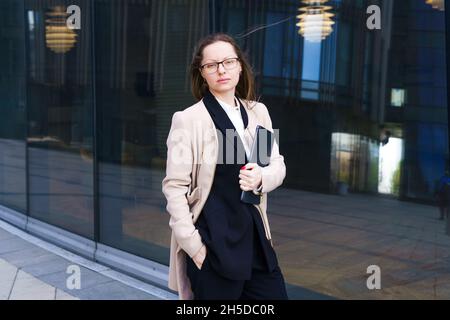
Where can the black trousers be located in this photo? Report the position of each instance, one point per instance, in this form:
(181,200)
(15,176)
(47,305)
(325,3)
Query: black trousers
(207,284)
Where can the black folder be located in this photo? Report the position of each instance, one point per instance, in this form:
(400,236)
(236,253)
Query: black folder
(260,153)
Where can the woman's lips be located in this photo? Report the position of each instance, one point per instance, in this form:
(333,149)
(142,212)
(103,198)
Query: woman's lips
(223,80)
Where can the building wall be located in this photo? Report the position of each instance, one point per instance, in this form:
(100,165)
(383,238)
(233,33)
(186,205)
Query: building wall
(83,133)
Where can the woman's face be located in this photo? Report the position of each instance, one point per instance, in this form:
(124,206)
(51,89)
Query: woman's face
(225,78)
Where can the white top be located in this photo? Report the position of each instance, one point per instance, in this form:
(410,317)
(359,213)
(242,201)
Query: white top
(234,113)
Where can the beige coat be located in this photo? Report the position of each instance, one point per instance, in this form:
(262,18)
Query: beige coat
(191,161)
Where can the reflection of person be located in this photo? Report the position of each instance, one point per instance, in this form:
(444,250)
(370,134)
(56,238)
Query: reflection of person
(442,194)
(221,247)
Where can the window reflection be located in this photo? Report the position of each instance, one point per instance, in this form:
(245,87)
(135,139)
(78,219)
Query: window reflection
(143,49)
(362,117)
(59,139)
(12,106)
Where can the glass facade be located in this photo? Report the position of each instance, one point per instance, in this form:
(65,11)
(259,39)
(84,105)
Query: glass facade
(362,113)
(59,116)
(13,107)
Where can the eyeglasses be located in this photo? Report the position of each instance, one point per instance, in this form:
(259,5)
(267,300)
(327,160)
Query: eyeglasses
(212,67)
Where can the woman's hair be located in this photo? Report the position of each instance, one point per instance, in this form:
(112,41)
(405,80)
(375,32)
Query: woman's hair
(245,88)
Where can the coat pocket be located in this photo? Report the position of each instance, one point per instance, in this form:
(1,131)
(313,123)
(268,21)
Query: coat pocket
(193,195)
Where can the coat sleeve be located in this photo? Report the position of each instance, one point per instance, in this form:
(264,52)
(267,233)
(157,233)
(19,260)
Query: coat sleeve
(176,183)
(273,174)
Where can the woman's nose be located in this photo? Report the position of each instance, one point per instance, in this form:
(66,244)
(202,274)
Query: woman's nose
(221,68)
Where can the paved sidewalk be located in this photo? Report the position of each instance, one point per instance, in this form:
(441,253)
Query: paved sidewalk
(30,272)
(15,284)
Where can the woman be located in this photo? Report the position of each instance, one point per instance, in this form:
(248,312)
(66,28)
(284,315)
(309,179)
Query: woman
(221,247)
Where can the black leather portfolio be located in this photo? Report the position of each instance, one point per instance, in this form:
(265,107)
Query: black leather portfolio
(260,153)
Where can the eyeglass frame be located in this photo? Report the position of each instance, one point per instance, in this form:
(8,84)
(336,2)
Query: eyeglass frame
(218,63)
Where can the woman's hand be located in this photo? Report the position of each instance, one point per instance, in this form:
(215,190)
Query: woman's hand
(199,258)
(250,177)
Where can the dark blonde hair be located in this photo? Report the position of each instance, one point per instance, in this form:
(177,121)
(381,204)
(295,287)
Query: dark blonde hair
(245,88)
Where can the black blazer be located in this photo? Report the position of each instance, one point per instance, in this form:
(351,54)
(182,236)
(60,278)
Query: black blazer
(232,231)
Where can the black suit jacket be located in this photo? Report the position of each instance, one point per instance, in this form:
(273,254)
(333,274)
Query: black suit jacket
(232,231)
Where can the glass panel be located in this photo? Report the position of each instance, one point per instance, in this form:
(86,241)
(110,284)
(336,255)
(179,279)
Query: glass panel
(363,127)
(143,49)
(60,116)
(12,106)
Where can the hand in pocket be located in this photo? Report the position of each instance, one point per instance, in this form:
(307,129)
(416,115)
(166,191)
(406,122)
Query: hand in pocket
(200,257)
